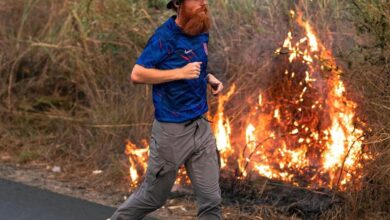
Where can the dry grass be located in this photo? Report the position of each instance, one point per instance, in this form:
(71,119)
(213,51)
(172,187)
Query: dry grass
(65,97)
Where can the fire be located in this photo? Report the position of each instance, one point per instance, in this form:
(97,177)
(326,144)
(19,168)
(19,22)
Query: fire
(312,138)
(223,129)
(137,159)
(303,129)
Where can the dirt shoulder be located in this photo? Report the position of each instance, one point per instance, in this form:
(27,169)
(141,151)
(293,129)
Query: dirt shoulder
(42,176)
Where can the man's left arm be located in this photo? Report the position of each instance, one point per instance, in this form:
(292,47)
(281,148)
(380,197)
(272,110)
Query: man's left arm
(216,85)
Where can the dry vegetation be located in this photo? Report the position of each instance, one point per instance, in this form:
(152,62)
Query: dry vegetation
(65,96)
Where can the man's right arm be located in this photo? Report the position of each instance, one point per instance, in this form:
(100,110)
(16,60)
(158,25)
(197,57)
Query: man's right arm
(142,75)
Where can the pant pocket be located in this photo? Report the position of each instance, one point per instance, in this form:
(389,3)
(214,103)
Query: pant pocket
(217,151)
(154,172)
(218,158)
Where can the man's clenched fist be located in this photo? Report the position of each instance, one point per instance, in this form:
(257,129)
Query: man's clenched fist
(191,70)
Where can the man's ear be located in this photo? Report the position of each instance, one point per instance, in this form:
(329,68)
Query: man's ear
(177,4)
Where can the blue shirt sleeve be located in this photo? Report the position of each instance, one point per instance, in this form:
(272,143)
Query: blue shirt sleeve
(155,51)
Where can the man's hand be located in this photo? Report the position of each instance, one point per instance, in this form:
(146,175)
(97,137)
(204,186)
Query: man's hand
(191,71)
(215,84)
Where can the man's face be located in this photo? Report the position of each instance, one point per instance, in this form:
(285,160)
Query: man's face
(195,15)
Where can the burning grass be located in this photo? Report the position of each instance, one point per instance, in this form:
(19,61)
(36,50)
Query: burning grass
(65,93)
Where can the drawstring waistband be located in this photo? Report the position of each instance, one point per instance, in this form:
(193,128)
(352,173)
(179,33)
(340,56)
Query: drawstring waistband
(207,119)
(195,119)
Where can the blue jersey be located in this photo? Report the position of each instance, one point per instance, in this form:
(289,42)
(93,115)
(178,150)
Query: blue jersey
(169,48)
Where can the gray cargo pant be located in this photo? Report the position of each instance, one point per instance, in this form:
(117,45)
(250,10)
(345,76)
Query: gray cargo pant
(191,143)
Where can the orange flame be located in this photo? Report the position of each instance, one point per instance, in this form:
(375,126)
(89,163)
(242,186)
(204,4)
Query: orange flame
(326,156)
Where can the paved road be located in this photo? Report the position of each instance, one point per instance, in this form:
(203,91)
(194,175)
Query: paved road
(22,202)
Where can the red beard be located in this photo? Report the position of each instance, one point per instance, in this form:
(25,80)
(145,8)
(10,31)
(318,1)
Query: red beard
(197,22)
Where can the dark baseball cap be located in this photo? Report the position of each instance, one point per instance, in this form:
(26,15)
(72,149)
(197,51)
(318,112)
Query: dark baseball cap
(171,3)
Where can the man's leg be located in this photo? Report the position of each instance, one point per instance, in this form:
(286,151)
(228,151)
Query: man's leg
(154,191)
(203,169)
(170,144)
